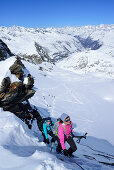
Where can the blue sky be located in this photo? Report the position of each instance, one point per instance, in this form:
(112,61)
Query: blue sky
(56,13)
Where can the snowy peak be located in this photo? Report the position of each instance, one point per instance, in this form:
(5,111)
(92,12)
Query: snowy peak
(54,40)
(69,47)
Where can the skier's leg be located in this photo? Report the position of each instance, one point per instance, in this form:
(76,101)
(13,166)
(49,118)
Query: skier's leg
(72,144)
(56,138)
(44,137)
(59,148)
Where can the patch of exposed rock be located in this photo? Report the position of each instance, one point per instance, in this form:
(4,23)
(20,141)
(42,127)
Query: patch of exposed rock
(4,51)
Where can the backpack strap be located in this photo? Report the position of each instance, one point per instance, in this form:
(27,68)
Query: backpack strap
(50,125)
(64,127)
(56,128)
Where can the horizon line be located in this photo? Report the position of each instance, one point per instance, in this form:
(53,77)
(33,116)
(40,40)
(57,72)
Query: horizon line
(58,26)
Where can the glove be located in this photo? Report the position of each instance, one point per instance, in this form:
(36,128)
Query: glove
(65,152)
(73,135)
(52,140)
(47,141)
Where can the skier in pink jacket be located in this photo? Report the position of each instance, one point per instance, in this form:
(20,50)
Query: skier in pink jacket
(65,133)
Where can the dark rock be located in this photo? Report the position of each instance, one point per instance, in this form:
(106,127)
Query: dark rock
(89,43)
(18,61)
(17,70)
(4,51)
(5,85)
(25,112)
(42,53)
(9,97)
(12,95)
(16,87)
(17,94)
(28,95)
(2,95)
(30,81)
(34,59)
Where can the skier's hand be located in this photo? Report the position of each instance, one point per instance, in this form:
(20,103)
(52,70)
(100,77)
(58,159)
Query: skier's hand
(65,152)
(72,135)
(47,141)
(52,140)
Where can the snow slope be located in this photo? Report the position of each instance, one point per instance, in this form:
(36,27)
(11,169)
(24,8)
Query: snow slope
(88,99)
(19,149)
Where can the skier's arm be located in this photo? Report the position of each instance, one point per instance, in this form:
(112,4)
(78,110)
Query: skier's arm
(61,137)
(52,123)
(45,130)
(71,128)
(72,135)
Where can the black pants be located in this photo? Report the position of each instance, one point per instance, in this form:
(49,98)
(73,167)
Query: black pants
(72,144)
(54,137)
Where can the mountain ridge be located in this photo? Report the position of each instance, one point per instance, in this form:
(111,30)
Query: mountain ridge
(68,47)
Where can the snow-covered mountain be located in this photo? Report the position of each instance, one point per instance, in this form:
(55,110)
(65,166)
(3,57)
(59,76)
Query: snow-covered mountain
(80,49)
(87,98)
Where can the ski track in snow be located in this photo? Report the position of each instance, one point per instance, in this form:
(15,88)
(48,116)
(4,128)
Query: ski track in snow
(73,96)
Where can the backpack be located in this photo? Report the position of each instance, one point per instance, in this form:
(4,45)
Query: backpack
(56,126)
(40,124)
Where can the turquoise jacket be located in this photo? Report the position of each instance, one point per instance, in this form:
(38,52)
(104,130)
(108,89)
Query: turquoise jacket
(47,128)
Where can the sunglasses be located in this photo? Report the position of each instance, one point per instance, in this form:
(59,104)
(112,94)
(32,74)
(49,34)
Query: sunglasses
(48,121)
(67,120)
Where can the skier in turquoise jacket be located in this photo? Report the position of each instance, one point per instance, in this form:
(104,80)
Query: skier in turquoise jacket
(47,129)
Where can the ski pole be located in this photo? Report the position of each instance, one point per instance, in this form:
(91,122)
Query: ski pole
(80,137)
(52,146)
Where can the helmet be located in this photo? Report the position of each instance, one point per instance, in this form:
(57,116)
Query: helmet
(48,118)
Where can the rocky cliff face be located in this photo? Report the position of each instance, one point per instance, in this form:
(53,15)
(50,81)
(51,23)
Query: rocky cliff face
(14,95)
(4,51)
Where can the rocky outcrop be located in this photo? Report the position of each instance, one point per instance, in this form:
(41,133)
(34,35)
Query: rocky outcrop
(34,59)
(17,69)
(14,95)
(41,56)
(4,51)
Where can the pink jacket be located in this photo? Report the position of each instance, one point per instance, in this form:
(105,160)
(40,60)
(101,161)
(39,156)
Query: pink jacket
(64,133)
